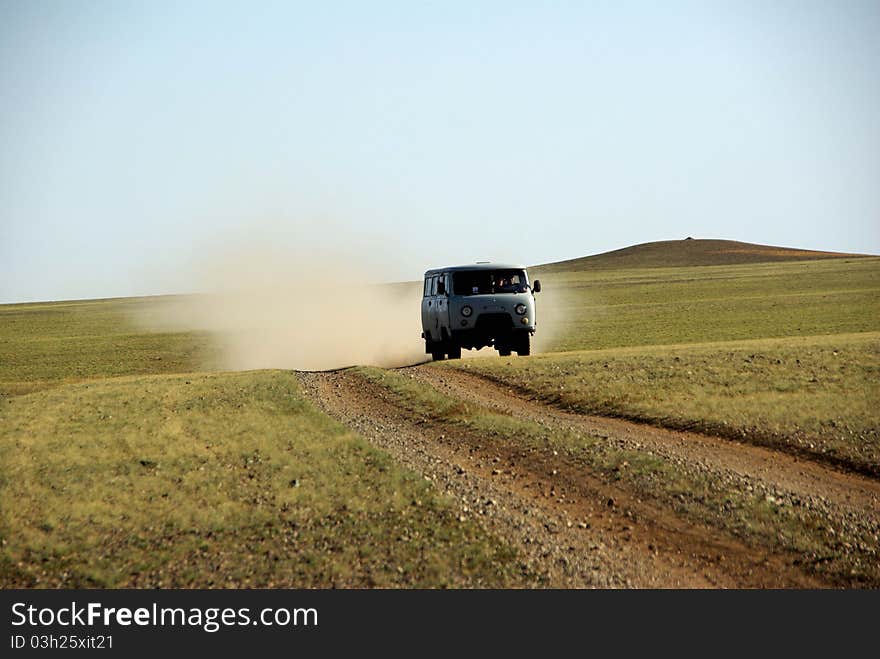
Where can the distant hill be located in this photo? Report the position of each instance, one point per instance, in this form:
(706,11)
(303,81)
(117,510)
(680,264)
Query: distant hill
(670,253)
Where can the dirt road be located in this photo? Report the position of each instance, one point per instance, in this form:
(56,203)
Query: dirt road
(576,527)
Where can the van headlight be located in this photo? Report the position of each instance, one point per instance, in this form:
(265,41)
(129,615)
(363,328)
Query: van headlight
(520,308)
(466,311)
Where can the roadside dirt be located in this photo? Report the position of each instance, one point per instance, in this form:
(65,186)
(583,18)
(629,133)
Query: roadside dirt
(575,528)
(776,470)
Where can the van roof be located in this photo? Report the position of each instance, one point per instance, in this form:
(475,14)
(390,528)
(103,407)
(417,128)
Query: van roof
(475,266)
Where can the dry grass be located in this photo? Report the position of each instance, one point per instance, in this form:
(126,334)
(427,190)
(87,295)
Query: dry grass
(818,395)
(124,474)
(227,480)
(679,253)
(46,344)
(725,504)
(666,306)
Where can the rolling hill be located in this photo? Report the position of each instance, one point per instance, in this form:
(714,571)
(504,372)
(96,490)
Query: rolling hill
(690,252)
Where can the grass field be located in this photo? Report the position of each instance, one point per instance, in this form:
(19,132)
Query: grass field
(699,304)
(126,461)
(226,480)
(784,354)
(46,344)
(725,505)
(815,395)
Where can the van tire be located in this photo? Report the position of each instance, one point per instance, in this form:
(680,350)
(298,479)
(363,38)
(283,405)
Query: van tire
(524,348)
(454,352)
(434,349)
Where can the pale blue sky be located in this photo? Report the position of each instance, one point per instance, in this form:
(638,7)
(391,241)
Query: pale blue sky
(135,137)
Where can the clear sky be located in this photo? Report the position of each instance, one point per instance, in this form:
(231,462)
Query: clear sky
(135,137)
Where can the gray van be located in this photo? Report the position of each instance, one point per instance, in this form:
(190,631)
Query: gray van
(473,306)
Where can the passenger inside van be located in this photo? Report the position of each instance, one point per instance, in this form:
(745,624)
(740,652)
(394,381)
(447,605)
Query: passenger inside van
(508,284)
(488,282)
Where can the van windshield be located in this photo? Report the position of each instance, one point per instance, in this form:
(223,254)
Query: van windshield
(483,282)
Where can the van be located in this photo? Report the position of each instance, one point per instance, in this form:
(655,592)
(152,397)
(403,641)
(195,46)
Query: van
(474,306)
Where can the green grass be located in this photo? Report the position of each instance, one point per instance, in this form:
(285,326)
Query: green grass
(588,310)
(42,345)
(123,473)
(227,480)
(783,353)
(693,494)
(818,395)
(46,344)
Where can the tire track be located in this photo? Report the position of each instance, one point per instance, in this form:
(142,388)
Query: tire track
(777,471)
(572,528)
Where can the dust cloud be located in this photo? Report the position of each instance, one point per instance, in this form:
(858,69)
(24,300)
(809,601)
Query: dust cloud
(267,308)
(555,307)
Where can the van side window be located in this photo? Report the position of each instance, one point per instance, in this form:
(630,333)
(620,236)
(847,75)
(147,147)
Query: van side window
(427,286)
(433,290)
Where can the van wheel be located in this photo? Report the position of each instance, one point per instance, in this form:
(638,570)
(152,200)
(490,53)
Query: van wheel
(504,352)
(454,352)
(437,355)
(524,348)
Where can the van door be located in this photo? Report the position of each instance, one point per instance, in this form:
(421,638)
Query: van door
(427,307)
(441,305)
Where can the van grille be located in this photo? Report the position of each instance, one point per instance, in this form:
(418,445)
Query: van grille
(492,323)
